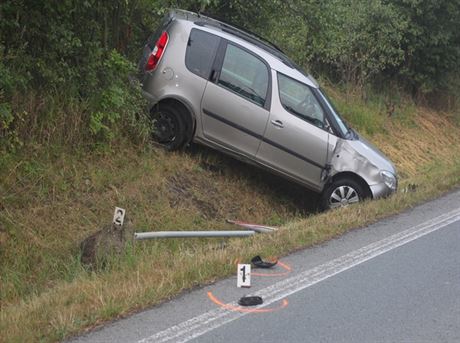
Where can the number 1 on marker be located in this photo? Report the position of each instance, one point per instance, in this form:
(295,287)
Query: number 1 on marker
(244,275)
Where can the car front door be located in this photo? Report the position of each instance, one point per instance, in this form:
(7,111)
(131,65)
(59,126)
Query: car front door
(236,102)
(295,142)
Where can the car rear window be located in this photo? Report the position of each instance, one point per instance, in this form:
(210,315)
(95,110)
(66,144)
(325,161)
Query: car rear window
(201,50)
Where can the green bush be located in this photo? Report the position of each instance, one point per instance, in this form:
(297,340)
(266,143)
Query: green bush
(63,70)
(64,64)
(116,100)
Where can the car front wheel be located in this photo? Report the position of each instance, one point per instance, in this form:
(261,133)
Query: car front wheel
(342,193)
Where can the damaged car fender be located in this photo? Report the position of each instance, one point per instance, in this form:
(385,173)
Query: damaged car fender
(366,162)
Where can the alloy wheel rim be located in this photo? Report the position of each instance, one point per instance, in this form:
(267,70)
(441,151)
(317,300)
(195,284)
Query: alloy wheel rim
(343,196)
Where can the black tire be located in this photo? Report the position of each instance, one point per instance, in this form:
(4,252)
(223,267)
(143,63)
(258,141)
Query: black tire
(342,192)
(168,128)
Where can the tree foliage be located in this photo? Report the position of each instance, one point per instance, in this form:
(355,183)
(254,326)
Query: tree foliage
(71,49)
(431,43)
(349,44)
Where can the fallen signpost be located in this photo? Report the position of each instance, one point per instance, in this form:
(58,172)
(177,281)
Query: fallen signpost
(191,234)
(251,229)
(254,227)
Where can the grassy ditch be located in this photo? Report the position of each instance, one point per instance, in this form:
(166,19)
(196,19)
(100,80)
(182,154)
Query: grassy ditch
(51,199)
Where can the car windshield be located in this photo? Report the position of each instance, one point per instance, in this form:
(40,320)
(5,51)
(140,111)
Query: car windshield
(341,125)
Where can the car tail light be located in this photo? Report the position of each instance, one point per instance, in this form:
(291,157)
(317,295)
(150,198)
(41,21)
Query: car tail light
(157,52)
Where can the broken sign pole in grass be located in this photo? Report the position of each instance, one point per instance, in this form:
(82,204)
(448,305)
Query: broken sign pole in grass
(251,230)
(191,234)
(255,227)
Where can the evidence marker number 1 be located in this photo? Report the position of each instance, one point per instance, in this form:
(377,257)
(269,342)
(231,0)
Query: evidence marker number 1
(244,275)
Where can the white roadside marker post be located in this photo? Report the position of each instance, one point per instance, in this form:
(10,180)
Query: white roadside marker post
(244,275)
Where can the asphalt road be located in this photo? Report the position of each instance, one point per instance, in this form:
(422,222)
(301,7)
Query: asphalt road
(395,281)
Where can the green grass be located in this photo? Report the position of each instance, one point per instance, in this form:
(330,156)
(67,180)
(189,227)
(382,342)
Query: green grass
(51,199)
(374,113)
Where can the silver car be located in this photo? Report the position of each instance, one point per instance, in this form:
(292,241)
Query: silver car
(221,86)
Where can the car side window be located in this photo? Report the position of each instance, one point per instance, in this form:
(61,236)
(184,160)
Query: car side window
(201,50)
(298,99)
(244,74)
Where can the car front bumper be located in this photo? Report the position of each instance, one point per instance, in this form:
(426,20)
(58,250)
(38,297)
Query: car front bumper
(381,190)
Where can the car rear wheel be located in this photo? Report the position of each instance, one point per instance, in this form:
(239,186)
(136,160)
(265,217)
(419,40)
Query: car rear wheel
(168,127)
(342,192)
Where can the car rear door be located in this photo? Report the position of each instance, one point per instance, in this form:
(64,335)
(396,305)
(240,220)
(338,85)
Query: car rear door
(236,102)
(295,142)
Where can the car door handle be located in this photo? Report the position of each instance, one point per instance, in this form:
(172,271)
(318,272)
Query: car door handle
(277,123)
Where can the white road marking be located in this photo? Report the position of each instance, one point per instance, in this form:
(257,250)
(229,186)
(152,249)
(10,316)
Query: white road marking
(213,319)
